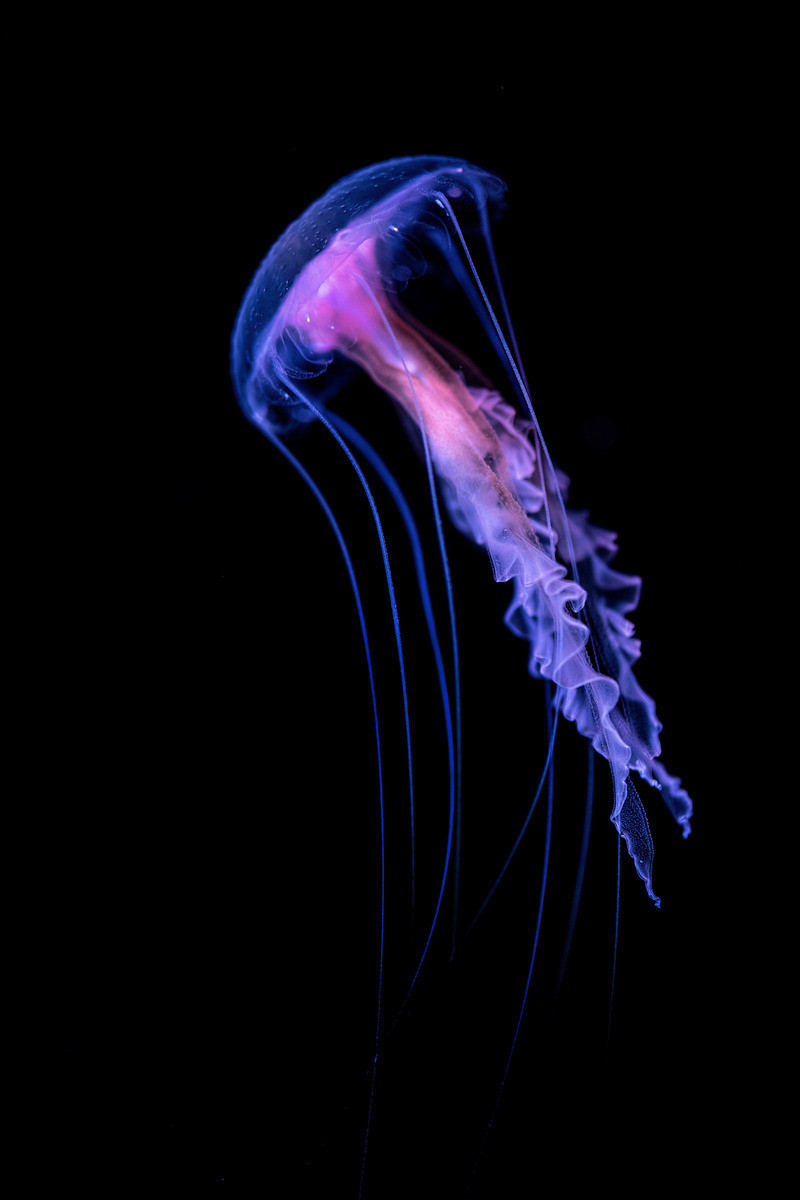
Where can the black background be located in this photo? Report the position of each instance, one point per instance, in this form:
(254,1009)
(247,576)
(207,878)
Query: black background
(214,942)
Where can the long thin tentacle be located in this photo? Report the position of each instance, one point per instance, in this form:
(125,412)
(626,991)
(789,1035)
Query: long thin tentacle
(326,508)
(551,711)
(379,466)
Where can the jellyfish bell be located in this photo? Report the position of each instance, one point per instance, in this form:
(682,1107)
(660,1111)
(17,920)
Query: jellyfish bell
(378,225)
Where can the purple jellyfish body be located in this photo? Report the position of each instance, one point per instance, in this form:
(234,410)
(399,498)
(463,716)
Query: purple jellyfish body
(326,300)
(329,287)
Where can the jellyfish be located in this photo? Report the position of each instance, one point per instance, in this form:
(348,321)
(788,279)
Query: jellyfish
(328,302)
